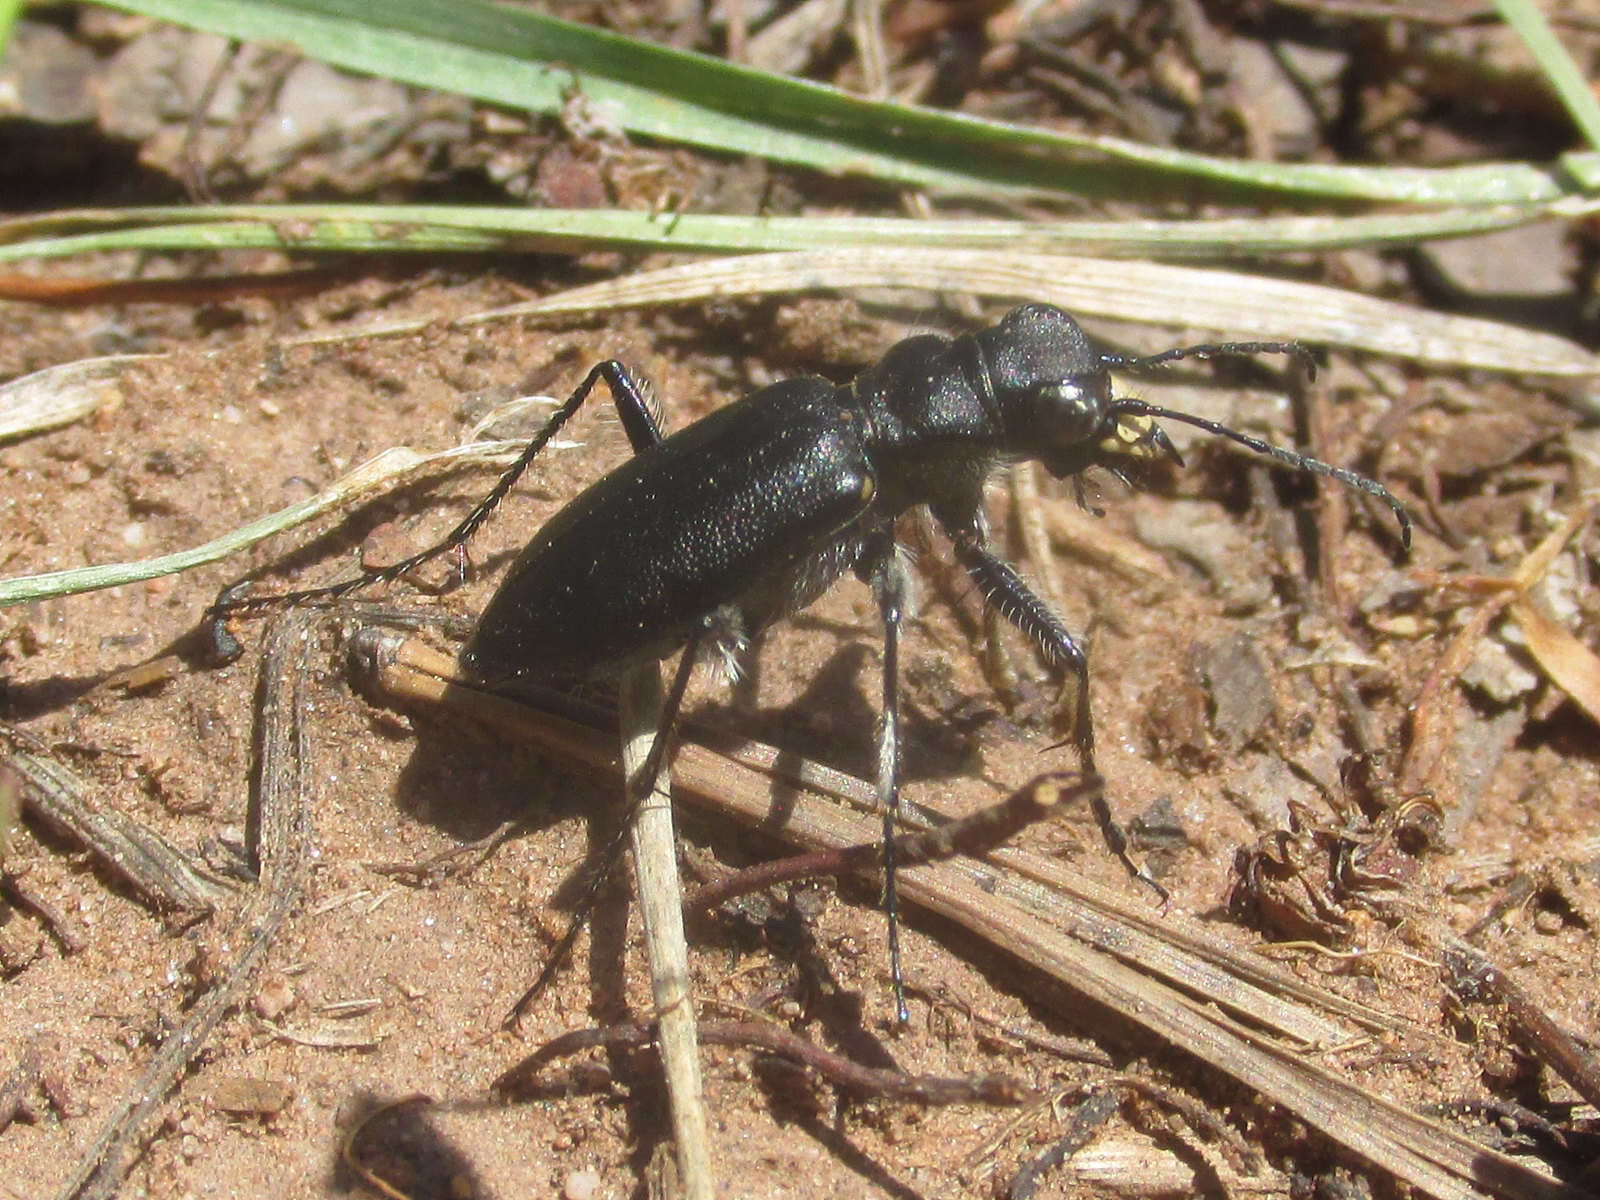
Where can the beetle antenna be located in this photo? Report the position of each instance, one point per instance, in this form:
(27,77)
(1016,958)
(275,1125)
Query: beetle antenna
(1300,462)
(1214,350)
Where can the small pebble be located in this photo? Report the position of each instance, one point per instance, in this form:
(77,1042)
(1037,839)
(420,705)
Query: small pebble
(274,997)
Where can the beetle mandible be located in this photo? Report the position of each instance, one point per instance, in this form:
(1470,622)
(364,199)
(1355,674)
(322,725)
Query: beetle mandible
(706,537)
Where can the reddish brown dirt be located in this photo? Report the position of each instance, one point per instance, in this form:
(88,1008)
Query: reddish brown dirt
(1231,679)
(251,427)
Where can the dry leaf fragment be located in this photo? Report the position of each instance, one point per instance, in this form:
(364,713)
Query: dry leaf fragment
(1571,665)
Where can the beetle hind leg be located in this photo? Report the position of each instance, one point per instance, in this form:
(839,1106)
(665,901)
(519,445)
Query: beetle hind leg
(639,419)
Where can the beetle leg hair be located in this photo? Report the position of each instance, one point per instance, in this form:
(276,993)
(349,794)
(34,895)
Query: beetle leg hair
(725,644)
(1002,587)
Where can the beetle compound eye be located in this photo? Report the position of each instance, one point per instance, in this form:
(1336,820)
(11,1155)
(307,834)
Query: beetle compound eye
(1069,412)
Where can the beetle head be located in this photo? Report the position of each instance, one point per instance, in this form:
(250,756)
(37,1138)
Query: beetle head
(1050,389)
(1053,392)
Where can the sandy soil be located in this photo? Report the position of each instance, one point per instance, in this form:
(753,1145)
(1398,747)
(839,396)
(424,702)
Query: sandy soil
(1235,672)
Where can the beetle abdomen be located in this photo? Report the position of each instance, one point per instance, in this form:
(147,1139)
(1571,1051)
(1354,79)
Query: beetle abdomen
(709,519)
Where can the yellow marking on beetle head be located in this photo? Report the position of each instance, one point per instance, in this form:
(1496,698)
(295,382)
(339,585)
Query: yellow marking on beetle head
(1133,436)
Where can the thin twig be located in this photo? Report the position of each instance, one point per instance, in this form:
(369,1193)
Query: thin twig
(31,1073)
(282,786)
(66,933)
(838,1070)
(974,835)
(1473,976)
(1092,1111)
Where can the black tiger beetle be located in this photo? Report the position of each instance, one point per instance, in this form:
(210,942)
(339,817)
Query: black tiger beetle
(704,538)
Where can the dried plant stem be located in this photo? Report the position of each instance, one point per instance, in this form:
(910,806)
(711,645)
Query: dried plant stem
(975,834)
(655,861)
(133,852)
(282,796)
(837,1069)
(1152,972)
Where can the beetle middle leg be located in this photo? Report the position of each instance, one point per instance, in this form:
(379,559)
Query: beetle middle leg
(635,790)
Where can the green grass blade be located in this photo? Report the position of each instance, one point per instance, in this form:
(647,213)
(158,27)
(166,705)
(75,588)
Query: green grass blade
(521,59)
(1568,82)
(386,470)
(10,10)
(446,228)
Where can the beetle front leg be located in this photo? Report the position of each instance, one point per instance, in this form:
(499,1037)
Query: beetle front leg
(1006,590)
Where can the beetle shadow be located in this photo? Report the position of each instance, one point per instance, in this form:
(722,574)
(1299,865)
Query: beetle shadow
(402,1140)
(469,782)
(832,722)
(790,729)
